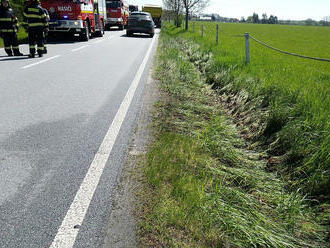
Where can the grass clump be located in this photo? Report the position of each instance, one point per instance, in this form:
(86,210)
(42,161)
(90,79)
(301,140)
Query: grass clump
(205,188)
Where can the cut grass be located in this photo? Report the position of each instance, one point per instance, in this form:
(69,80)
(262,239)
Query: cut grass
(205,189)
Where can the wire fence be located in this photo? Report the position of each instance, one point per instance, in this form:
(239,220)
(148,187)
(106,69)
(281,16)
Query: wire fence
(249,37)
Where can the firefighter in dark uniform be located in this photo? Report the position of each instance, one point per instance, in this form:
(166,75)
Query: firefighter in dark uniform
(36,21)
(8,29)
(46,30)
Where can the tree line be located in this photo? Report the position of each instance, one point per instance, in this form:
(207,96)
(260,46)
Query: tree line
(264,20)
(177,8)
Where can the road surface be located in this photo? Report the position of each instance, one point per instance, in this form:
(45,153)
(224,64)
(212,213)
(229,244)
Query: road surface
(66,120)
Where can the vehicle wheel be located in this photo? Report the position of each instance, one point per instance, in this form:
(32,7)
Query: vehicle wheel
(151,35)
(85,35)
(128,33)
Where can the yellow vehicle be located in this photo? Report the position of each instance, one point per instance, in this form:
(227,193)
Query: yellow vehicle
(156,13)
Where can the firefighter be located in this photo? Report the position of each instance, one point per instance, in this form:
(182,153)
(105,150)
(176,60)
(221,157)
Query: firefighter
(8,29)
(36,20)
(46,29)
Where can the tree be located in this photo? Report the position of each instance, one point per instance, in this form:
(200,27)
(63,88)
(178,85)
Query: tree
(264,18)
(213,17)
(326,21)
(255,18)
(175,6)
(272,19)
(309,22)
(191,6)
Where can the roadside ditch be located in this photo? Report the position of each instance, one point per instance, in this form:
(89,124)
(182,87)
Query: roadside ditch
(206,177)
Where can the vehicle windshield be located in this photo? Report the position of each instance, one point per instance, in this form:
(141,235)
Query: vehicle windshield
(113,4)
(139,14)
(143,16)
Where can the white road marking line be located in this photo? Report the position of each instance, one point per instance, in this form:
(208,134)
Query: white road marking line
(40,62)
(79,48)
(98,41)
(67,234)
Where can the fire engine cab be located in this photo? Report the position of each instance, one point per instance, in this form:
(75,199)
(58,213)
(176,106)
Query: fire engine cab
(117,13)
(83,17)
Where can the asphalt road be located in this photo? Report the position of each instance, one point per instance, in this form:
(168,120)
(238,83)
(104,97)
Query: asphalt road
(65,122)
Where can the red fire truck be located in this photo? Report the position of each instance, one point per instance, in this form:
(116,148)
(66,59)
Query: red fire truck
(83,17)
(117,13)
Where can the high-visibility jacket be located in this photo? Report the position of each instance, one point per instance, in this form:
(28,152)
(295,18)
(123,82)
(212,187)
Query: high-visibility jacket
(8,21)
(35,18)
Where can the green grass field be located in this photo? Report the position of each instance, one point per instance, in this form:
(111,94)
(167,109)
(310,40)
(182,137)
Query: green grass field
(307,79)
(295,90)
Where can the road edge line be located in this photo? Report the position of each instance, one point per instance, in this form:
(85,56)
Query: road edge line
(66,235)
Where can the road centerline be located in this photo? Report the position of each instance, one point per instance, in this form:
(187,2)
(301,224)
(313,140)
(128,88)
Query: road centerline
(79,48)
(75,215)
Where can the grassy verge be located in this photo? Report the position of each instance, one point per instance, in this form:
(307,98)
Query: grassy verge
(288,97)
(204,188)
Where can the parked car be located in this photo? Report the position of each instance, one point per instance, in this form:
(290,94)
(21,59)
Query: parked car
(140,22)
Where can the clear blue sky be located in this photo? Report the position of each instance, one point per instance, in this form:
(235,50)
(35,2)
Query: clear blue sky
(284,9)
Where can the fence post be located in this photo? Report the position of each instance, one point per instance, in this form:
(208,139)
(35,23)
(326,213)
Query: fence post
(247,47)
(202,31)
(217,34)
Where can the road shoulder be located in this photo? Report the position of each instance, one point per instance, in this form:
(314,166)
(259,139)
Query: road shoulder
(122,227)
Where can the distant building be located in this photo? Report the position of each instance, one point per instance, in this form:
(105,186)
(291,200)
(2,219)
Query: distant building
(205,18)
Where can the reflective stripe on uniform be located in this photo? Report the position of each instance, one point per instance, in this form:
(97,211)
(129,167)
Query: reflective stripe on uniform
(41,48)
(35,16)
(8,48)
(32,46)
(7,30)
(37,24)
(15,47)
(5,19)
(36,10)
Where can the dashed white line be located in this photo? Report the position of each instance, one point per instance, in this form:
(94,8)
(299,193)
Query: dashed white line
(67,234)
(79,48)
(40,62)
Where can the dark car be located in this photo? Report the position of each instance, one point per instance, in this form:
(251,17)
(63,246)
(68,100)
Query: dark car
(140,22)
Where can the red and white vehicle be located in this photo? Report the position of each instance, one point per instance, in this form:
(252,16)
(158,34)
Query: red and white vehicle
(83,17)
(117,13)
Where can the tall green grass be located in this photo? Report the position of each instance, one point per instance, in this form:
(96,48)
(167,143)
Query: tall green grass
(205,188)
(294,90)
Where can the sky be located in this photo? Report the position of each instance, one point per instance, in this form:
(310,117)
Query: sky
(283,9)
